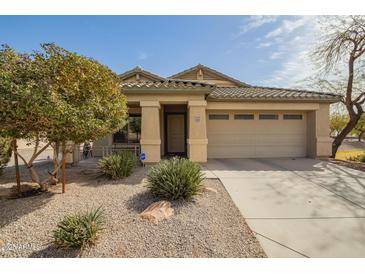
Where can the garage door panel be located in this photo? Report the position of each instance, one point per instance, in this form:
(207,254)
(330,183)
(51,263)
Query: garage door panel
(280,139)
(256,138)
(231,151)
(279,151)
(234,138)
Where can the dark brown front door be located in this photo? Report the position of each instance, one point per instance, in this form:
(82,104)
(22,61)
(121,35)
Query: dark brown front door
(175,134)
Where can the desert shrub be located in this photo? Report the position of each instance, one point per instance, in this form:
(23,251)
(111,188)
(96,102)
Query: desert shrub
(357,158)
(119,165)
(5,152)
(79,230)
(175,178)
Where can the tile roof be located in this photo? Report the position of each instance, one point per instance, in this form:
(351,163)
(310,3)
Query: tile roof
(243,93)
(167,84)
(267,93)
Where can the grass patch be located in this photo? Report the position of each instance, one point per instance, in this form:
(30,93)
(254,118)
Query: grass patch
(345,154)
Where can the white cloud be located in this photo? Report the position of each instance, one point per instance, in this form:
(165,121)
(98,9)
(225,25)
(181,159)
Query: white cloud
(256,21)
(287,26)
(276,55)
(294,40)
(264,45)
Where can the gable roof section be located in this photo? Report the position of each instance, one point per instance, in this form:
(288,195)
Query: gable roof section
(212,71)
(141,72)
(148,82)
(256,93)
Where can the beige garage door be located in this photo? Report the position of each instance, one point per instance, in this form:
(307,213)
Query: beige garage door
(256,134)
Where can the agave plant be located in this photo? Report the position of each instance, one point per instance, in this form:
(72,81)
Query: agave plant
(79,230)
(175,178)
(117,166)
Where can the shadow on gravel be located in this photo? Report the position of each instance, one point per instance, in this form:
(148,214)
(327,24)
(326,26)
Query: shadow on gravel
(142,200)
(52,251)
(94,178)
(12,210)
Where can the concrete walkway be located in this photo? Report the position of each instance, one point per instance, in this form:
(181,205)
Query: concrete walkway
(298,207)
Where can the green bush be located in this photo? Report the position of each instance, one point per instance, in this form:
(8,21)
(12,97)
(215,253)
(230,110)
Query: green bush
(119,165)
(175,178)
(80,230)
(5,152)
(358,158)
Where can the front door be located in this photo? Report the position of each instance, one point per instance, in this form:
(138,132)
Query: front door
(175,134)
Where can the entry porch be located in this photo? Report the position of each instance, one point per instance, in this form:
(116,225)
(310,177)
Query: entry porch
(161,129)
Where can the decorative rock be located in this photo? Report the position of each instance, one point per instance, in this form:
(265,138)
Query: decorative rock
(210,189)
(158,211)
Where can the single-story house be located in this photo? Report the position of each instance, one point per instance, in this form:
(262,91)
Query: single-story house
(201,113)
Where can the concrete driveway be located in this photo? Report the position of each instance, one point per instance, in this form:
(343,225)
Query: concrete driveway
(298,207)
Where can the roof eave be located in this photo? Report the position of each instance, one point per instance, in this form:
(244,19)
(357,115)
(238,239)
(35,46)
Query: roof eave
(204,91)
(304,100)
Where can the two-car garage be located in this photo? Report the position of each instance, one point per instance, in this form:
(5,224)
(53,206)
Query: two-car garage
(256,134)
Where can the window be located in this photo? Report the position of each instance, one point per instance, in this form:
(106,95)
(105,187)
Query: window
(131,132)
(269,117)
(244,116)
(218,117)
(293,117)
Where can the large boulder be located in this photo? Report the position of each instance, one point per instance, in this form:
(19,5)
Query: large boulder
(158,211)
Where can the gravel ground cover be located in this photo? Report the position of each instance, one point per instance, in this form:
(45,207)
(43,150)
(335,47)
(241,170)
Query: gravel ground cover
(209,226)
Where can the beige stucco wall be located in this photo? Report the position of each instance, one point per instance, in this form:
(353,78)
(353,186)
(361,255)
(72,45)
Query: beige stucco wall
(150,131)
(164,98)
(319,141)
(197,140)
(316,135)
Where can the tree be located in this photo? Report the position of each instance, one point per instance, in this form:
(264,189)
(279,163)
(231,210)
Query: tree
(337,123)
(57,96)
(87,102)
(23,104)
(343,45)
(5,152)
(359,129)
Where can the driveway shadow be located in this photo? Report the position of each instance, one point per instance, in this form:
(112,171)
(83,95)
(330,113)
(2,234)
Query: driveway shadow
(262,164)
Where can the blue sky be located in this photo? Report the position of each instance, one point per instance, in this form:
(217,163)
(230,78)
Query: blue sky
(259,50)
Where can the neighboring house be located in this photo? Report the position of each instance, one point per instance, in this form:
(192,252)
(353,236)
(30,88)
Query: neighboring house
(202,113)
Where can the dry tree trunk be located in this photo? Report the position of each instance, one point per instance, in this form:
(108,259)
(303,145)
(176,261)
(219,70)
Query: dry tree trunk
(63,164)
(16,162)
(361,135)
(56,165)
(29,164)
(340,137)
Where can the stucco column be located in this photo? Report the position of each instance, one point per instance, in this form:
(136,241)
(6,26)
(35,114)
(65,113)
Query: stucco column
(197,141)
(150,131)
(319,141)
